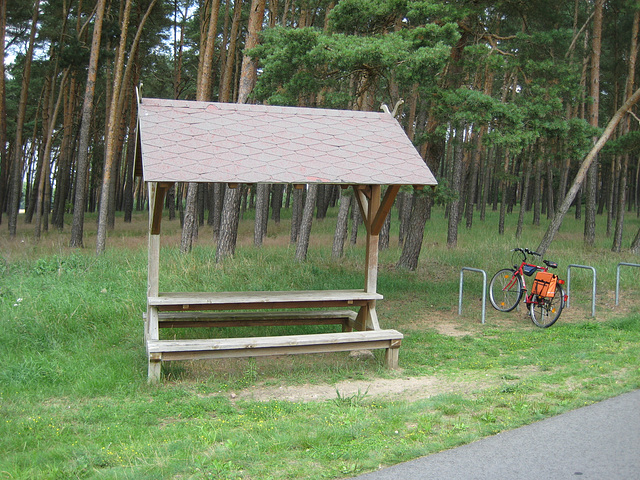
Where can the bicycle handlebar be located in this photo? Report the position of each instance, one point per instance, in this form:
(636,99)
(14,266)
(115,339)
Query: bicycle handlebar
(527,251)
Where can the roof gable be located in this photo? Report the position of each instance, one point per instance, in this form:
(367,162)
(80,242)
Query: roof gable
(189,141)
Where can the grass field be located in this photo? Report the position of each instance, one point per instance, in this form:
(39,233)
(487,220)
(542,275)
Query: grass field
(75,403)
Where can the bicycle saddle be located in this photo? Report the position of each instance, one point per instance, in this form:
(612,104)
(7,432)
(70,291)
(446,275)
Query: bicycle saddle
(550,264)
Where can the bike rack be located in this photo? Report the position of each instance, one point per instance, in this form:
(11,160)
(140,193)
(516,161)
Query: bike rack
(593,288)
(484,289)
(618,277)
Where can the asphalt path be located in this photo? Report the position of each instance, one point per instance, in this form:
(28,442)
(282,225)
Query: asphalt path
(596,442)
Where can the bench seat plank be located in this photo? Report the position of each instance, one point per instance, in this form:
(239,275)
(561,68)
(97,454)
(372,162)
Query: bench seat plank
(278,345)
(261,300)
(190,319)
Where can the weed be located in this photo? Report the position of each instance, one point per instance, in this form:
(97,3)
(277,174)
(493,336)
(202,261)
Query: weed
(355,400)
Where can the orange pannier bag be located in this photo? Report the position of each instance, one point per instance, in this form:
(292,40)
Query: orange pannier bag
(544,284)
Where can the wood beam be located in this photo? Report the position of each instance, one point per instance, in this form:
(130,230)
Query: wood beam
(385,208)
(157,193)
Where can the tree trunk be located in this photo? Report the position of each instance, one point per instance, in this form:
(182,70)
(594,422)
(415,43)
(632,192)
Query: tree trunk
(42,207)
(505,194)
(356,220)
(249,72)
(635,245)
(218,199)
(229,224)
(305,225)
(473,177)
(4,160)
(413,239)
(115,125)
(525,194)
(586,163)
(537,193)
(383,238)
(203,93)
(340,236)
(626,126)
(550,206)
(296,214)
(114,119)
(456,186)
(276,202)
(83,149)
(64,174)
(131,151)
(248,76)
(262,214)
(592,176)
(18,162)
(404,215)
(226,85)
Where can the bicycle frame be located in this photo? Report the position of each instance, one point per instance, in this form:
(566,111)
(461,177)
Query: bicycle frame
(528,299)
(509,285)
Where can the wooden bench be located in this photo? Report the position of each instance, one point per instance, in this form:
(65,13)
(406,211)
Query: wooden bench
(166,350)
(216,309)
(195,319)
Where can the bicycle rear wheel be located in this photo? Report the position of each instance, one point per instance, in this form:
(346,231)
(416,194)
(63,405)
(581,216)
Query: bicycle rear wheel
(505,290)
(545,311)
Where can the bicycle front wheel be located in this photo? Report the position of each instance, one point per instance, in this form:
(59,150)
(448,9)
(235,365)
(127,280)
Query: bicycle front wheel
(505,290)
(545,311)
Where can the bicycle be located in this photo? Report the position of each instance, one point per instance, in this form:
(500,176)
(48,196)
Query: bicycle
(547,297)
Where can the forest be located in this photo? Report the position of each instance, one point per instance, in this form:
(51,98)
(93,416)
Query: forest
(522,107)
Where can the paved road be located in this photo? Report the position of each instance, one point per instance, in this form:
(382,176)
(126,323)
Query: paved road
(597,442)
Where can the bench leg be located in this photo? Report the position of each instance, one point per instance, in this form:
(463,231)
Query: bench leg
(391,358)
(155,366)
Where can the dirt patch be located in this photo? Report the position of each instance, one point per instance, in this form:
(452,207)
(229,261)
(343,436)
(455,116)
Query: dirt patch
(408,388)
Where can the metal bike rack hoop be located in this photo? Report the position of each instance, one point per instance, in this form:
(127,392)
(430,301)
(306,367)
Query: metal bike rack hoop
(618,277)
(593,286)
(484,289)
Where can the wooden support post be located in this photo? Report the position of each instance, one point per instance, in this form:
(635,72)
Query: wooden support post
(391,358)
(371,260)
(151,322)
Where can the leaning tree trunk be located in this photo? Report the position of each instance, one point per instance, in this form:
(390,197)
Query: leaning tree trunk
(554,226)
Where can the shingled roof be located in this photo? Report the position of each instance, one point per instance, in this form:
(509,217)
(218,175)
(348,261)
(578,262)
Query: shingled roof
(186,141)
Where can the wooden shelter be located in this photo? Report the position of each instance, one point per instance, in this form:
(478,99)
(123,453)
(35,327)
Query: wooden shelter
(185,141)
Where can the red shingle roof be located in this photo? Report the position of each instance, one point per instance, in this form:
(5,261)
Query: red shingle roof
(188,141)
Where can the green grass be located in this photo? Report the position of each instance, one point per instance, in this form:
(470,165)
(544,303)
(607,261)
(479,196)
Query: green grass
(74,401)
